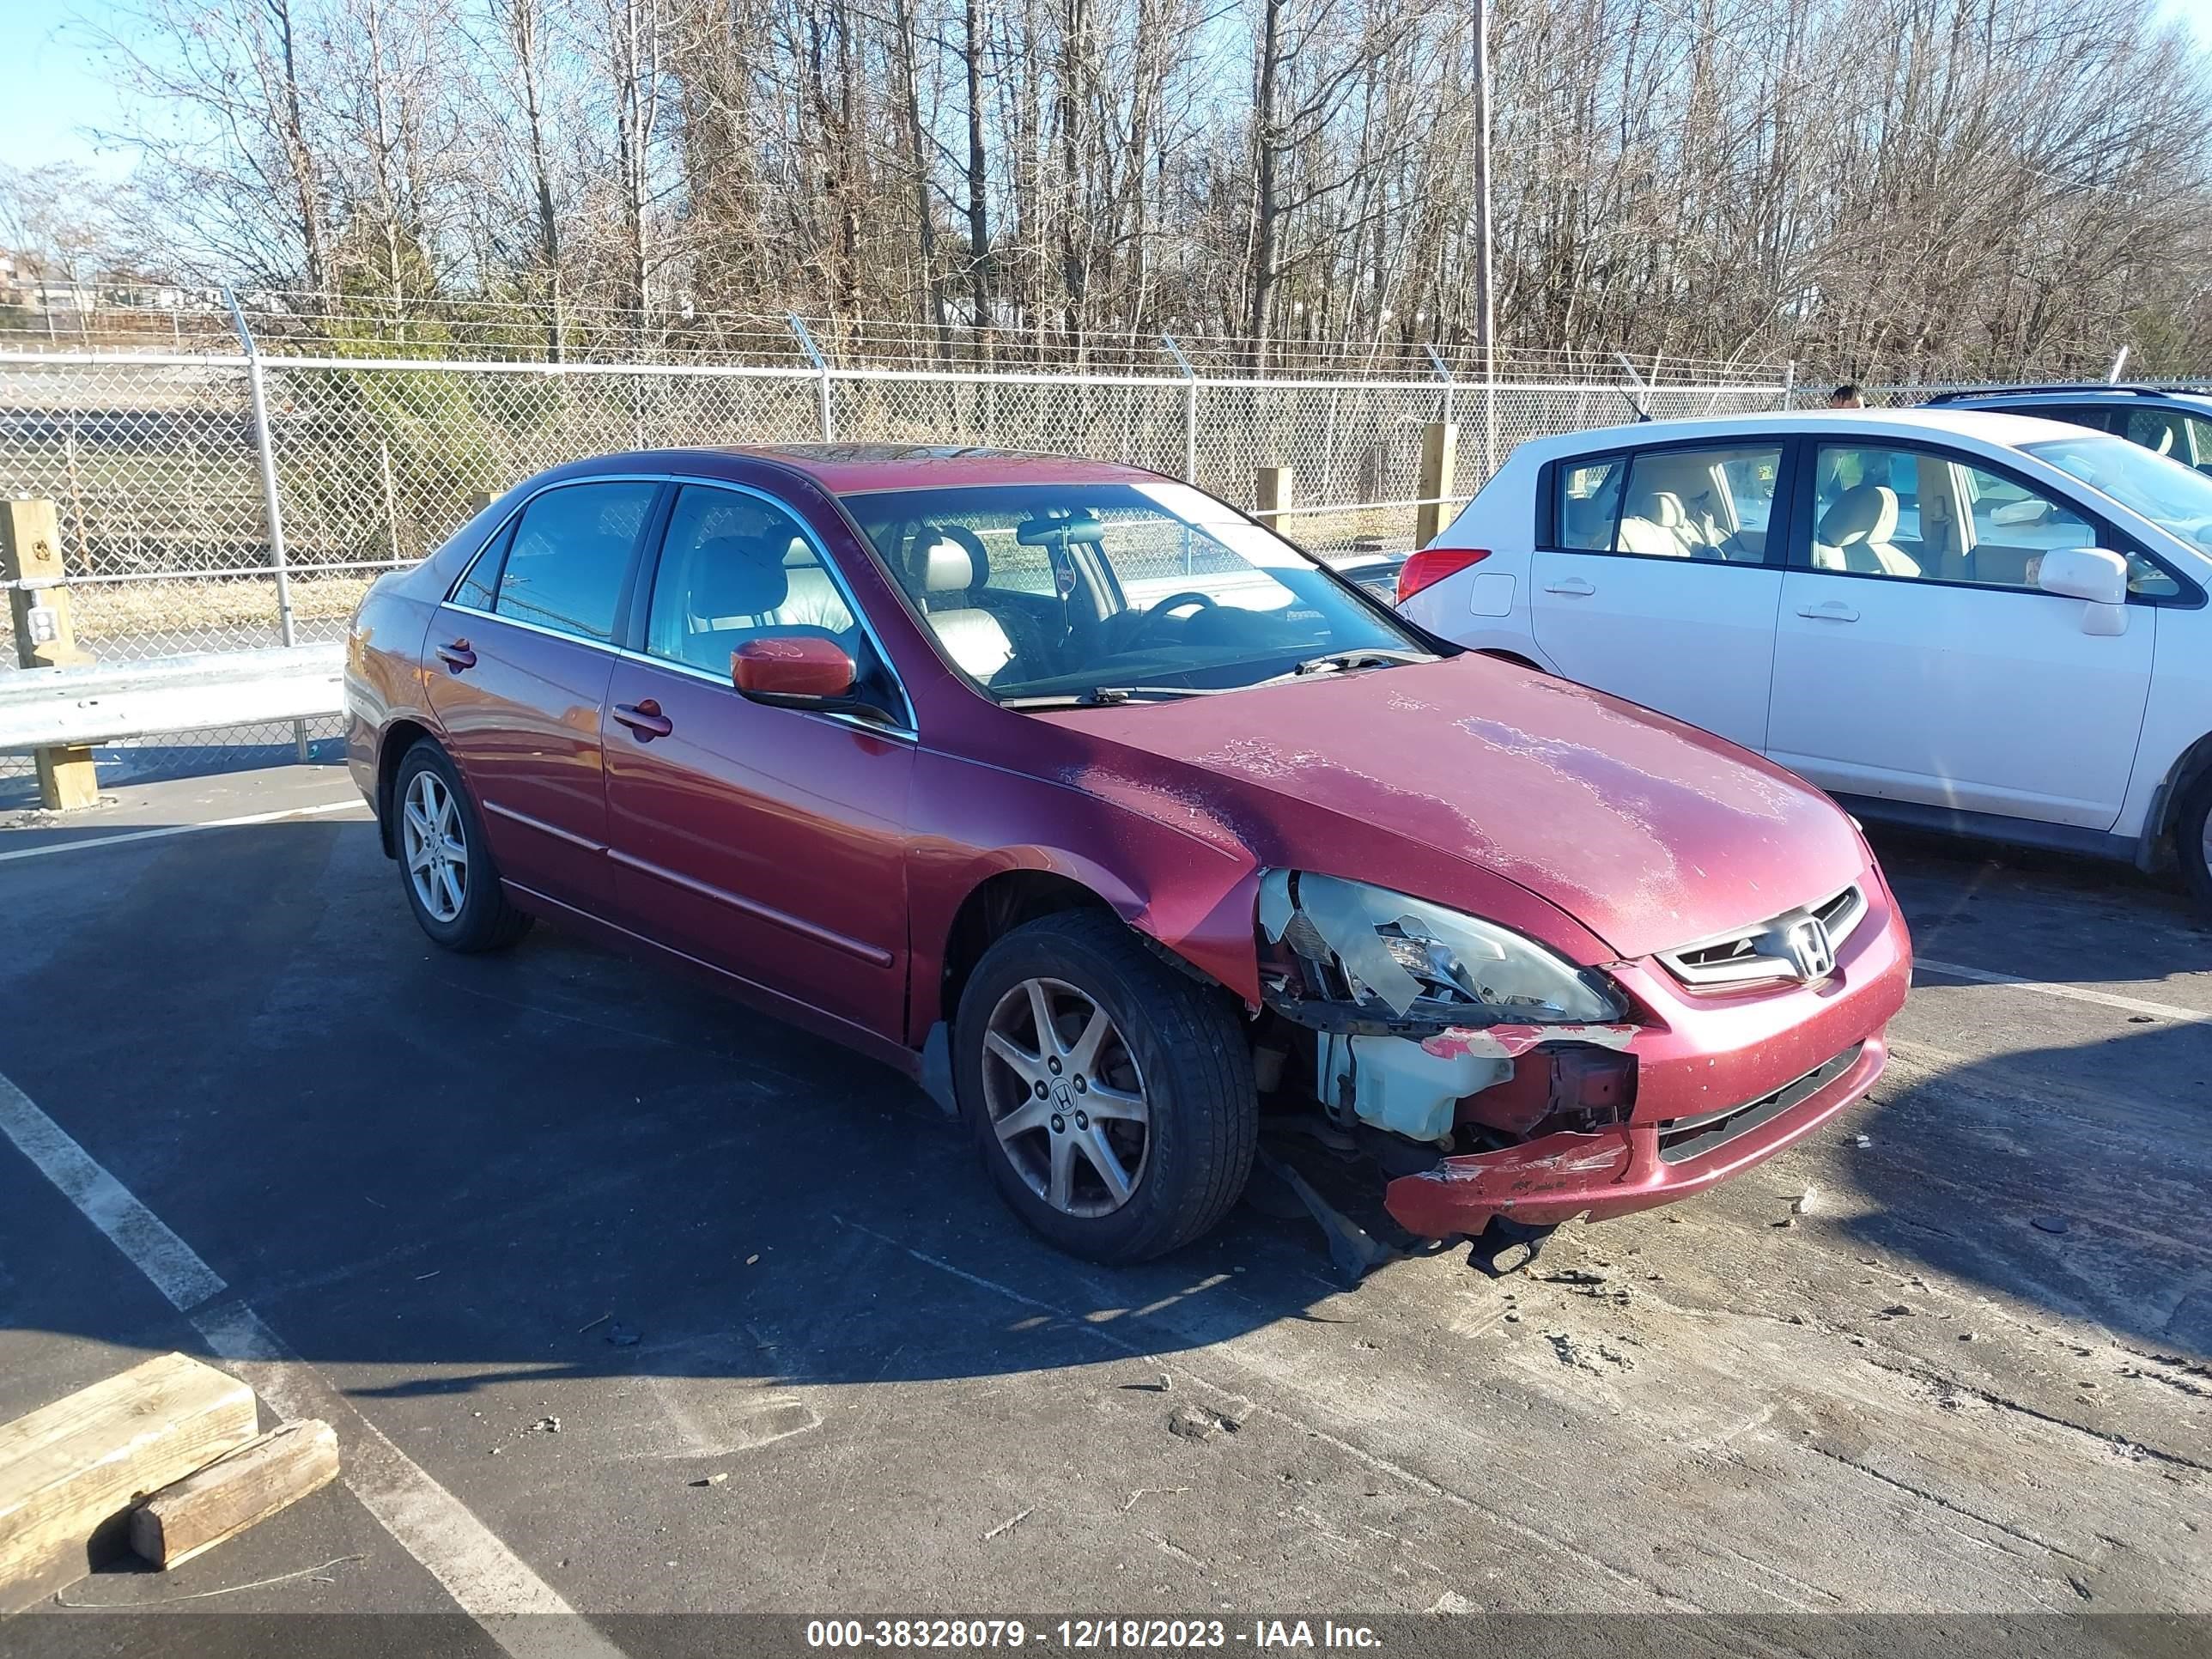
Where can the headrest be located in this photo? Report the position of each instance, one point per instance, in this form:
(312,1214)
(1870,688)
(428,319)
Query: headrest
(1085,526)
(1865,512)
(947,568)
(1663,507)
(737,576)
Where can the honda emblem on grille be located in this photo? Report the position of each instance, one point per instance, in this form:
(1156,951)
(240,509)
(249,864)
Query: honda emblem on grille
(1811,952)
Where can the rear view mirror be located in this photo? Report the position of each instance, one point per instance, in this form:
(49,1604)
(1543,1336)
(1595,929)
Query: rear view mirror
(2085,572)
(793,668)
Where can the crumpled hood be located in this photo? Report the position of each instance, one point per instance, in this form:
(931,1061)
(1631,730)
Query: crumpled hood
(1650,833)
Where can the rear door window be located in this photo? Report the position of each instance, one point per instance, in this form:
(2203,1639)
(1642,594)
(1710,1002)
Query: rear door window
(1711,504)
(569,556)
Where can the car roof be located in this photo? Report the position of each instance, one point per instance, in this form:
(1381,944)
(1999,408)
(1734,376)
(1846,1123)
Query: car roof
(2132,396)
(852,469)
(1990,426)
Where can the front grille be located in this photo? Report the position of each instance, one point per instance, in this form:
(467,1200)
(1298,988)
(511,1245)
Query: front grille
(1681,1139)
(1761,953)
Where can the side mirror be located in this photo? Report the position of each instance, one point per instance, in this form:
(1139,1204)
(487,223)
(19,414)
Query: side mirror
(796,669)
(2085,572)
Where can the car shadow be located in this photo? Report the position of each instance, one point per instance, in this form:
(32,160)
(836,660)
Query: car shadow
(433,1173)
(2042,915)
(2072,1177)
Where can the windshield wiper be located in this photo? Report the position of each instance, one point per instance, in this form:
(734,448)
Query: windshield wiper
(1371,656)
(1101,696)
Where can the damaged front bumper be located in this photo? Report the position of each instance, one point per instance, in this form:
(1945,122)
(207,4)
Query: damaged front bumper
(1600,1120)
(1633,1166)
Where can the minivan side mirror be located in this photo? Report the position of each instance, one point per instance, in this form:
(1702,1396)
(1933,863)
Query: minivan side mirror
(2085,572)
(793,669)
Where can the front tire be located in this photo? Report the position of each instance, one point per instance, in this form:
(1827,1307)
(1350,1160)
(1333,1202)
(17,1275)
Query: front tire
(2192,843)
(1110,1098)
(444,865)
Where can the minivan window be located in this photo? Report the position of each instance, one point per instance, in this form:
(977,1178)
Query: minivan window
(569,553)
(2186,438)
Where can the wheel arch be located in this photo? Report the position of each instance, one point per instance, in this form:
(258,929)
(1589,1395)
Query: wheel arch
(2183,776)
(391,747)
(994,907)
(1497,654)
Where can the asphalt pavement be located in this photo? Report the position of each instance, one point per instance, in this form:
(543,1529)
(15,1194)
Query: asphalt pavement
(627,1302)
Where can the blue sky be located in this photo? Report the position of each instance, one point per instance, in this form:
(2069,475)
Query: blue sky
(56,89)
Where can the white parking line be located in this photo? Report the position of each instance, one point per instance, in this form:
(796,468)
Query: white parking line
(168,829)
(489,1582)
(2072,993)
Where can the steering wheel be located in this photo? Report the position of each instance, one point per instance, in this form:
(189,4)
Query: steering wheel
(1152,616)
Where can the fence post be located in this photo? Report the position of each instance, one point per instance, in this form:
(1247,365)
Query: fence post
(1271,493)
(822,371)
(1439,442)
(271,504)
(30,555)
(391,500)
(1190,408)
(1788,385)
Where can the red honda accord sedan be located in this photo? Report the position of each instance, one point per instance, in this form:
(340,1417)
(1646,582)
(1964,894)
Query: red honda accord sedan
(1121,824)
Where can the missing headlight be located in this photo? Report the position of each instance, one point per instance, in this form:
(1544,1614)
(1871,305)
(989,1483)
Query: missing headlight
(1385,952)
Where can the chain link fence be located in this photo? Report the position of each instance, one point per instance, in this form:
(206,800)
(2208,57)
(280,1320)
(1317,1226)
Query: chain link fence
(154,463)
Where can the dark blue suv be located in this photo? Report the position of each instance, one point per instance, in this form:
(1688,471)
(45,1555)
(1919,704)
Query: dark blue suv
(2174,419)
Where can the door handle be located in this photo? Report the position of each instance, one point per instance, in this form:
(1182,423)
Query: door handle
(457,656)
(1573,585)
(645,720)
(1829,610)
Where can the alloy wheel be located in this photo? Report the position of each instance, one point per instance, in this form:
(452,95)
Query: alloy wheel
(1065,1098)
(436,847)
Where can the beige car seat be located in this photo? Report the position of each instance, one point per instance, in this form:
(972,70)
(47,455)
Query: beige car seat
(971,635)
(1655,525)
(1854,534)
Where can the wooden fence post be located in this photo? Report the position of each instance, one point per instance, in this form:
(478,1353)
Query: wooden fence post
(1271,493)
(45,635)
(1439,440)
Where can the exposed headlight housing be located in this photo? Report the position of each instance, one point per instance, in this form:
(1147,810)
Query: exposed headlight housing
(1387,951)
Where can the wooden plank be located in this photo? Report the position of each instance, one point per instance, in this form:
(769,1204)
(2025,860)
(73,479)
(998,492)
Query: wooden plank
(1439,444)
(236,1491)
(45,636)
(1271,492)
(71,1472)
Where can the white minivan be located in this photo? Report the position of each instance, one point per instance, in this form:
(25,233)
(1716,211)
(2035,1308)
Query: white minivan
(1987,623)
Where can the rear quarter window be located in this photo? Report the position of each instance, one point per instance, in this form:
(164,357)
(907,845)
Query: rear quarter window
(1585,502)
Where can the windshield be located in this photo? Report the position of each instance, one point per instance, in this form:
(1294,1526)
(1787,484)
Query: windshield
(1151,588)
(2176,498)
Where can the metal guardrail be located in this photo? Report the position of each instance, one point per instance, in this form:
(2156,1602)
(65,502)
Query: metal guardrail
(57,708)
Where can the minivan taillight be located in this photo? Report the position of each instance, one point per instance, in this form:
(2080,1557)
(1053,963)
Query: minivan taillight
(1432,564)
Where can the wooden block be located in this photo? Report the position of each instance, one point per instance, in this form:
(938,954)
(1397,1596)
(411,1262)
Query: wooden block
(70,1472)
(1439,443)
(68,779)
(45,637)
(1271,492)
(235,1492)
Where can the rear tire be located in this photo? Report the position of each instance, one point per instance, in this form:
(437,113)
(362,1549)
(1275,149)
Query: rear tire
(2192,826)
(446,864)
(1110,1098)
